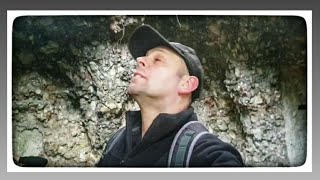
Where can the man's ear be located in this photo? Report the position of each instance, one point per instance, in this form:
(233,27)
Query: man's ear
(188,84)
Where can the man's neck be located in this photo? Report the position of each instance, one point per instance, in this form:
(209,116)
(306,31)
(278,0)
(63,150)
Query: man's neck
(152,108)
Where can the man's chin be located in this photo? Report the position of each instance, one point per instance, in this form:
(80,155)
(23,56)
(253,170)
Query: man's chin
(132,91)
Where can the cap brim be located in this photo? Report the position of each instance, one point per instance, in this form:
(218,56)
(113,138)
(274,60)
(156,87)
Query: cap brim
(145,38)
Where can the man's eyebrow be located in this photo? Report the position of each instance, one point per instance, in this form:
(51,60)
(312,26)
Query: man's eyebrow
(154,50)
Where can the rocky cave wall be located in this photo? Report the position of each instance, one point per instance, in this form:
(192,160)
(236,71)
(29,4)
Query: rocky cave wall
(70,75)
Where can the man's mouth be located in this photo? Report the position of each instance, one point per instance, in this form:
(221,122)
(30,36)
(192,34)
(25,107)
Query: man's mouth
(138,74)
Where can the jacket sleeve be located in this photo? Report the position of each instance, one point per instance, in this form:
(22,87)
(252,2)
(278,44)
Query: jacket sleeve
(210,151)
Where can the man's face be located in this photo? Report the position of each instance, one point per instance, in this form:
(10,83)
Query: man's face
(158,74)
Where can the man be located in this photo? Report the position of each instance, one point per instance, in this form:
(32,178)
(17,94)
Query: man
(168,78)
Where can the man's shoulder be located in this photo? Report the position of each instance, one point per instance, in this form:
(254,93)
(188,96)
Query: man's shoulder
(215,152)
(213,141)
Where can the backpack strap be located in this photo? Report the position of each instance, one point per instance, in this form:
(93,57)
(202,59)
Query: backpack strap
(184,142)
(112,141)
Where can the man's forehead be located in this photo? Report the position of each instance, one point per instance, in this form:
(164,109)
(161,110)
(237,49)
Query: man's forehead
(162,49)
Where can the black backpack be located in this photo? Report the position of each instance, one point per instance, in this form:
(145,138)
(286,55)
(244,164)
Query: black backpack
(182,144)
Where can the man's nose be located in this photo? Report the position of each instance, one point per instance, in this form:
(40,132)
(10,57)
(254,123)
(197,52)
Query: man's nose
(142,61)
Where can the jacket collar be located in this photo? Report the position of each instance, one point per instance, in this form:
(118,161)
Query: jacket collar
(162,125)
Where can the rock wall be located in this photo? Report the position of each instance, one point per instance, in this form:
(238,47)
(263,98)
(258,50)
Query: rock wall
(70,75)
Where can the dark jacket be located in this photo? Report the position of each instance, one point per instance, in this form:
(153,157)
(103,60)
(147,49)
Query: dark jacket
(153,149)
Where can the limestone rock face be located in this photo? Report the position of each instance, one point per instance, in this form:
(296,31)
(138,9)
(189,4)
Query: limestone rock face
(70,78)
